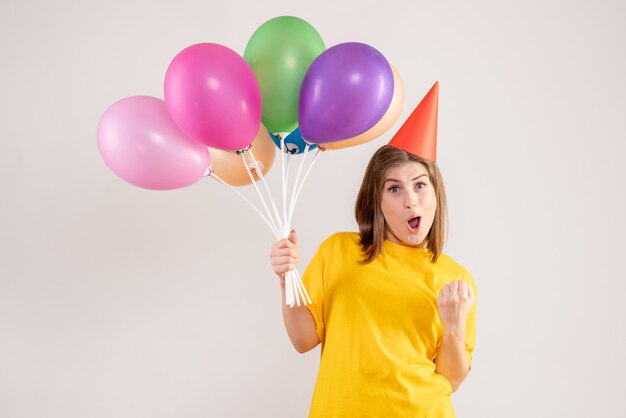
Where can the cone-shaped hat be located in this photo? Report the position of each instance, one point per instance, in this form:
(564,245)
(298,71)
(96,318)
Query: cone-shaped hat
(418,134)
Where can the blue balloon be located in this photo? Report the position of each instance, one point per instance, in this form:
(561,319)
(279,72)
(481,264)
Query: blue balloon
(294,143)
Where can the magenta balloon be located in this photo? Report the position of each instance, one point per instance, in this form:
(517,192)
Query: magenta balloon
(346,91)
(139,141)
(213,96)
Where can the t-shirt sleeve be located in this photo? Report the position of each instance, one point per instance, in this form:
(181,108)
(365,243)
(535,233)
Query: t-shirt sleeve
(470,332)
(313,280)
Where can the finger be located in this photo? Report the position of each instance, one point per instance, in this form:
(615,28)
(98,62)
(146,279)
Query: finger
(284,269)
(284,251)
(463,288)
(470,292)
(281,261)
(289,244)
(290,241)
(283,243)
(292,236)
(279,255)
(452,286)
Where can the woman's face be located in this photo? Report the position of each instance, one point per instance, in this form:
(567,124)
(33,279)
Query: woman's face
(408,203)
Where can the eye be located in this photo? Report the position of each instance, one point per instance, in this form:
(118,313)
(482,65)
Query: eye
(393,189)
(420,185)
(292,148)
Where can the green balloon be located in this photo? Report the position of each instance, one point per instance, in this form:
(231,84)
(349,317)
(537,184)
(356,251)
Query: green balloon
(280,52)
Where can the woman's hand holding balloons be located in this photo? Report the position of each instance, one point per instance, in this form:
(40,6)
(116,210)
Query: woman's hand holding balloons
(454,302)
(284,255)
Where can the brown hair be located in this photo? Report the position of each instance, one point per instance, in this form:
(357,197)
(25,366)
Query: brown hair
(369,215)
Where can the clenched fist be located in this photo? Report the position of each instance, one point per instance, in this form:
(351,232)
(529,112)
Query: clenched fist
(454,303)
(284,255)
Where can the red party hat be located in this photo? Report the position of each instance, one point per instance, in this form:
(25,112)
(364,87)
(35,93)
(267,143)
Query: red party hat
(418,134)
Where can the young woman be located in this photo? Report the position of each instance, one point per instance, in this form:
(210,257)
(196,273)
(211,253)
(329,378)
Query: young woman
(394,314)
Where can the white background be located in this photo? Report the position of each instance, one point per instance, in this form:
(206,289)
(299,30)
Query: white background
(121,302)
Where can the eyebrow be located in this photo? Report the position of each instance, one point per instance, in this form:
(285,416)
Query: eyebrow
(398,181)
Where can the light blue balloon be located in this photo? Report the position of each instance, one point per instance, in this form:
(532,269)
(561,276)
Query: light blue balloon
(293,142)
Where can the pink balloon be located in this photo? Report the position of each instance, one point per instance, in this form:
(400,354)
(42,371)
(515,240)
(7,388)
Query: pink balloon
(213,96)
(139,141)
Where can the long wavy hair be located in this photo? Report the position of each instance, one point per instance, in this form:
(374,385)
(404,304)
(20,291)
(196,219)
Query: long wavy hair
(368,211)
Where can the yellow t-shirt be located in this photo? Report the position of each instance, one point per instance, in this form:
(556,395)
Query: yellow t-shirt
(380,330)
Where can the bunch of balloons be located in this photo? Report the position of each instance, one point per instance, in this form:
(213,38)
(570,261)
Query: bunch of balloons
(225,115)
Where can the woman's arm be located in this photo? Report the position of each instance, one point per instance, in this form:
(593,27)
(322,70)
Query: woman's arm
(299,322)
(454,303)
(452,361)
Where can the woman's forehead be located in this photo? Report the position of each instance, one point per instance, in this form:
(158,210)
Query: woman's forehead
(408,170)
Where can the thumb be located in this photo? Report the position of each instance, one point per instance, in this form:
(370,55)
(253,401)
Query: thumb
(292,236)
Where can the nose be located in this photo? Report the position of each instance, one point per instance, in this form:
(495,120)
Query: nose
(410,200)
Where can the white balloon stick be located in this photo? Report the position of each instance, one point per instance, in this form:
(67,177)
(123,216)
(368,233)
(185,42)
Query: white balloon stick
(298,291)
(294,287)
(293,204)
(295,185)
(267,211)
(272,228)
(295,290)
(259,173)
(288,290)
(283,179)
(303,287)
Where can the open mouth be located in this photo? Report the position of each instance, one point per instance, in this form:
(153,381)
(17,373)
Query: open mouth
(414,223)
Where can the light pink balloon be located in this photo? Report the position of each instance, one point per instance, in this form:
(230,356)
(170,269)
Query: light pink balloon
(213,96)
(139,141)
